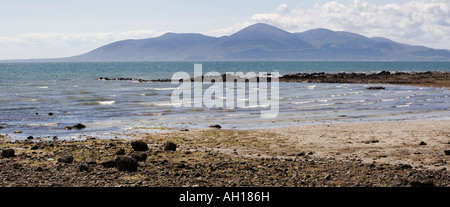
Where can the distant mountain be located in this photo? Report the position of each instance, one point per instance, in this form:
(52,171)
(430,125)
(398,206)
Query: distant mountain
(263,42)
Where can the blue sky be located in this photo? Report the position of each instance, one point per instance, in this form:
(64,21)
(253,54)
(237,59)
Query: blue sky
(50,28)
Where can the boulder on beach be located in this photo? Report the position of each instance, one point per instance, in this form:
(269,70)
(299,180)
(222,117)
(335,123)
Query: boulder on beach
(76,126)
(139,145)
(140,157)
(7,153)
(447,152)
(126,164)
(66,159)
(79,126)
(215,126)
(170,146)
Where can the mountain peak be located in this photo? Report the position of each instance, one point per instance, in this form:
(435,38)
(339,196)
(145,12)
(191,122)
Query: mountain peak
(260,27)
(263,42)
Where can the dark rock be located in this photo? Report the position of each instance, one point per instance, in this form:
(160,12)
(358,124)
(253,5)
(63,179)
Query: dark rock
(35,147)
(139,156)
(109,163)
(301,154)
(1,127)
(406,166)
(50,114)
(376,88)
(170,146)
(183,130)
(120,152)
(91,162)
(215,126)
(7,153)
(422,143)
(66,159)
(447,152)
(30,137)
(83,168)
(427,183)
(79,126)
(39,169)
(126,164)
(139,145)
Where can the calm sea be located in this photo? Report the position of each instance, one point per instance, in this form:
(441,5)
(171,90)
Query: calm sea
(70,91)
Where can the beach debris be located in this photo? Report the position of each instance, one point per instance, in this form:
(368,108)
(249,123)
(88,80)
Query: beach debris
(66,159)
(120,152)
(50,114)
(139,145)
(109,163)
(1,127)
(126,164)
(447,152)
(18,132)
(30,137)
(422,143)
(7,153)
(139,156)
(215,126)
(170,146)
(376,88)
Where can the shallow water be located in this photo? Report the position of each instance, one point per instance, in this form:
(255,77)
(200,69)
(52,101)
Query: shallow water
(30,91)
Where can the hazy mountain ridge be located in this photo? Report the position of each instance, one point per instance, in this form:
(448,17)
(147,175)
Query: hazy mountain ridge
(262,42)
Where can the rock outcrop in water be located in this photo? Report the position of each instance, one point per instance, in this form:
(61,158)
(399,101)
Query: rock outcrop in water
(438,79)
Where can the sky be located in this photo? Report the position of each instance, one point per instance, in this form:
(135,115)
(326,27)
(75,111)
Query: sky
(51,28)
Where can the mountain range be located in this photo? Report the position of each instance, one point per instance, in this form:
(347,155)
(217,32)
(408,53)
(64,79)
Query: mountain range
(263,42)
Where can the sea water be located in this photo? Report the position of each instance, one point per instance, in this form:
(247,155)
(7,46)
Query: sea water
(71,92)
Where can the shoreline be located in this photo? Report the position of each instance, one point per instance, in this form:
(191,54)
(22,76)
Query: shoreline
(344,154)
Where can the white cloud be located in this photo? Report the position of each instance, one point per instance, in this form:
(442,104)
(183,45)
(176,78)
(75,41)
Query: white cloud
(53,45)
(420,22)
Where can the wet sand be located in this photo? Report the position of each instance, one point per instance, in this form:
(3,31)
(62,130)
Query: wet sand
(409,153)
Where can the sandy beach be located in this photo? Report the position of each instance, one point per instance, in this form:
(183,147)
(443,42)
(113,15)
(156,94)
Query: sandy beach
(409,153)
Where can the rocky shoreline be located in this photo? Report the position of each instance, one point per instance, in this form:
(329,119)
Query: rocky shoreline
(197,158)
(429,79)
